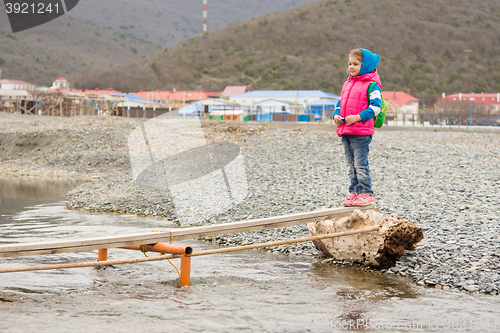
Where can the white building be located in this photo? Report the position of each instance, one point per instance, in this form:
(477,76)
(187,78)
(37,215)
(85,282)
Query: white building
(272,106)
(491,101)
(16,85)
(214,102)
(399,103)
(60,83)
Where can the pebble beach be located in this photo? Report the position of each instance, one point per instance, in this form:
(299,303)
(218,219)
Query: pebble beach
(445,180)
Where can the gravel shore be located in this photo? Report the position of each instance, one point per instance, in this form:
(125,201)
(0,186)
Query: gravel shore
(446,181)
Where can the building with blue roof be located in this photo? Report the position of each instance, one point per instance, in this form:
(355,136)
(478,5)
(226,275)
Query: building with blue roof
(133,101)
(272,106)
(321,108)
(298,97)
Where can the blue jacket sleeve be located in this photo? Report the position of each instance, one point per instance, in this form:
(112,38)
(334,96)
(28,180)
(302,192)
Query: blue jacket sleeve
(374,106)
(337,109)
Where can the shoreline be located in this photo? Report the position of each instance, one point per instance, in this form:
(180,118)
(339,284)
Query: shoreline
(446,181)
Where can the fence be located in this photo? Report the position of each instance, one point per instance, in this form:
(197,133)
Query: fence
(283,117)
(248,114)
(422,119)
(432,119)
(145,112)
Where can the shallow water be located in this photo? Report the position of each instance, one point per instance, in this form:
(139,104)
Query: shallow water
(251,291)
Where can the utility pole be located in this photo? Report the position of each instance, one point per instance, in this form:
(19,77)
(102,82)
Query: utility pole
(470,122)
(204,16)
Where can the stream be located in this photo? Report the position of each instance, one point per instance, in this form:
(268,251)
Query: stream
(248,291)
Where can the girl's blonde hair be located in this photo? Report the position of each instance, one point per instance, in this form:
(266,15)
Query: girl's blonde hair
(358,54)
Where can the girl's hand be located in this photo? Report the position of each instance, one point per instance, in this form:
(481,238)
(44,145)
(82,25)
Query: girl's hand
(352,119)
(337,120)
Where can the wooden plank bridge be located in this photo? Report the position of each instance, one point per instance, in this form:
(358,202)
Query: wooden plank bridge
(148,241)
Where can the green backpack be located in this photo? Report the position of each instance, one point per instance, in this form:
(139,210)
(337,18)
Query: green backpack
(380,118)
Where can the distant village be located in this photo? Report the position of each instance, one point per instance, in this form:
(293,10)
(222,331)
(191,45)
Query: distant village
(237,103)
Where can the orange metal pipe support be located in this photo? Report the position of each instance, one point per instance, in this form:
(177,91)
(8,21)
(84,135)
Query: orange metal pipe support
(184,251)
(185,277)
(102,255)
(162,248)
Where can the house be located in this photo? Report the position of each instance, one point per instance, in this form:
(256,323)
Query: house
(272,106)
(301,97)
(232,91)
(399,103)
(207,105)
(16,85)
(60,83)
(214,102)
(491,102)
(133,101)
(321,108)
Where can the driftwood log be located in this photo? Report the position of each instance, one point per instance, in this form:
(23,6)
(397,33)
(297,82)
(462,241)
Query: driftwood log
(379,249)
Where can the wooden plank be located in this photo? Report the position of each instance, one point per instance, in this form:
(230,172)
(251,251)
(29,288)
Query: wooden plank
(177,234)
(194,254)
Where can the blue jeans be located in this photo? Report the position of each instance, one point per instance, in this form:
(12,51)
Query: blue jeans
(356,148)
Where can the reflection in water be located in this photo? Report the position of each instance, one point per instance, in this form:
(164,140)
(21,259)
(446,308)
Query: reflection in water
(27,188)
(358,283)
(240,291)
(15,194)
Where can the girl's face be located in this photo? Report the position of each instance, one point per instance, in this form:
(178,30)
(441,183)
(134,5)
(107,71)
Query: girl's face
(354,66)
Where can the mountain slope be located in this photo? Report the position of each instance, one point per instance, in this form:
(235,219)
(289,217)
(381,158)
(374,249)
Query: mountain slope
(427,46)
(167,22)
(64,47)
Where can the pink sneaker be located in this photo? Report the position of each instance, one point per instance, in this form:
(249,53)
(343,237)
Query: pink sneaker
(349,199)
(363,199)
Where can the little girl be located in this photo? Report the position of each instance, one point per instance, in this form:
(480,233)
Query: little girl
(354,119)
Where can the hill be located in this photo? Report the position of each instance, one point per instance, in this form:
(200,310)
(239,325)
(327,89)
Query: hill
(67,46)
(428,46)
(168,22)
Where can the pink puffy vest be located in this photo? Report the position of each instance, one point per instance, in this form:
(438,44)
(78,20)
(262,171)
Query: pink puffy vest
(353,100)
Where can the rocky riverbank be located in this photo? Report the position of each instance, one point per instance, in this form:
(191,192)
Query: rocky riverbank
(446,181)
(67,148)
